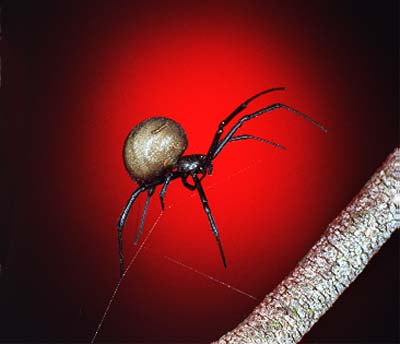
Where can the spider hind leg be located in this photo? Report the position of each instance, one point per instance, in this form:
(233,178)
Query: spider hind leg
(146,206)
(125,212)
(164,189)
(121,223)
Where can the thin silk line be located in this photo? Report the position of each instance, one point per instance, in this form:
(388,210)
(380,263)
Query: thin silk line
(229,177)
(122,277)
(227,285)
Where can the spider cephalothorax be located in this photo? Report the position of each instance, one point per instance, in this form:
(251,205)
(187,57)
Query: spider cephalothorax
(153,156)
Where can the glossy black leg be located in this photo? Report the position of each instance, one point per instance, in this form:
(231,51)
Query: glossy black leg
(251,137)
(146,206)
(207,210)
(121,223)
(222,124)
(164,189)
(272,107)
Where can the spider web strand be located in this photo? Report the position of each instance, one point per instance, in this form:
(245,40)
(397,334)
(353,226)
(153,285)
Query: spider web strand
(122,277)
(227,285)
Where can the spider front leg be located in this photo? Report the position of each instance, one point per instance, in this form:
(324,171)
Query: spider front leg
(207,209)
(229,136)
(224,123)
(250,137)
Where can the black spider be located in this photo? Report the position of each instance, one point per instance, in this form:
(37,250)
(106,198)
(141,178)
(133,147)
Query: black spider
(153,156)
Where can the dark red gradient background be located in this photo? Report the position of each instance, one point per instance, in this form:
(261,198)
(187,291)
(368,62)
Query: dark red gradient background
(78,77)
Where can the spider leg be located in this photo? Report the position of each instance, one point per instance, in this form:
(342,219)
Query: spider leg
(164,189)
(188,185)
(168,178)
(245,118)
(121,223)
(124,215)
(222,124)
(150,192)
(247,137)
(207,209)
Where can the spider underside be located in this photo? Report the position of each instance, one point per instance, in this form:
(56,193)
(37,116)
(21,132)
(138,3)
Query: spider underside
(192,169)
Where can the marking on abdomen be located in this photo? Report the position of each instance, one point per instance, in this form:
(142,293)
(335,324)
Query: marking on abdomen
(156,131)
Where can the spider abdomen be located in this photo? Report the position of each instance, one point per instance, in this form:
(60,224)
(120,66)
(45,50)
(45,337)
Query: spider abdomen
(153,147)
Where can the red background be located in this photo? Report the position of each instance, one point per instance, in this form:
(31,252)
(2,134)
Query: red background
(78,78)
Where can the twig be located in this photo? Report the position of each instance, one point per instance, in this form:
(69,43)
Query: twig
(295,305)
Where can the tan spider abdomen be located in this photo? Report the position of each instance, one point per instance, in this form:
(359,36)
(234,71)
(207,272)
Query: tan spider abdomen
(153,147)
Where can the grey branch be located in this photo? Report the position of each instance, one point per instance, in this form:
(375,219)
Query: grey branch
(333,263)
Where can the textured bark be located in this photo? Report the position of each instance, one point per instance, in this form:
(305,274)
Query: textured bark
(295,305)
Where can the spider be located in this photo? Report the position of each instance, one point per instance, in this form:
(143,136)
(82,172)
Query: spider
(152,156)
